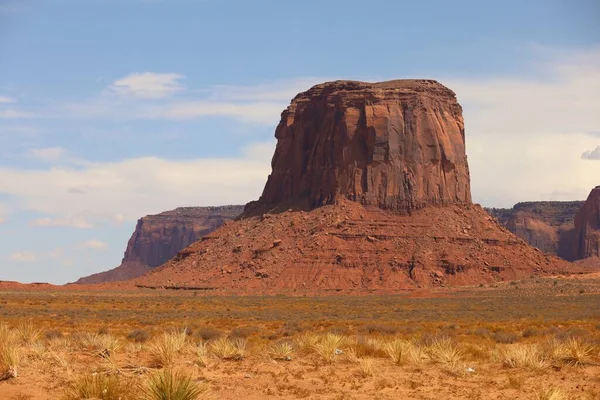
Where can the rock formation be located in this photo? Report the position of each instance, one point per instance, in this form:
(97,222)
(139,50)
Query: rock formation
(157,238)
(587,227)
(547,225)
(398,145)
(369,192)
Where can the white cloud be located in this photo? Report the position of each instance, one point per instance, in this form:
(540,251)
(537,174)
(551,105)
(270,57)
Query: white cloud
(25,256)
(95,244)
(125,190)
(2,220)
(591,154)
(148,85)
(68,221)
(48,154)
(15,114)
(5,100)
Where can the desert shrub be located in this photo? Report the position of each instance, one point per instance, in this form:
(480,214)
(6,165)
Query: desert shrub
(444,351)
(101,387)
(329,346)
(367,347)
(27,332)
(138,336)
(398,350)
(281,351)
(427,340)
(207,333)
(228,349)
(525,356)
(243,332)
(563,335)
(169,385)
(381,329)
(505,337)
(10,359)
(103,330)
(577,352)
(306,342)
(164,348)
(202,354)
(365,367)
(482,332)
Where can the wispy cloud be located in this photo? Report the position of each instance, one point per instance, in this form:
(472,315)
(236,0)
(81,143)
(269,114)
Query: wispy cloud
(6,100)
(15,114)
(591,154)
(95,244)
(148,85)
(48,154)
(24,256)
(66,222)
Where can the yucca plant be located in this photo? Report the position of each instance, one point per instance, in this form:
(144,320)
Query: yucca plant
(164,348)
(169,385)
(444,351)
(281,351)
(101,387)
(329,347)
(228,349)
(398,350)
(306,342)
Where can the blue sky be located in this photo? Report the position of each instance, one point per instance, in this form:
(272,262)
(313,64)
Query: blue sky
(114,109)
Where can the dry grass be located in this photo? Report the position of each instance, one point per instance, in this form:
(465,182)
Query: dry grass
(228,349)
(169,385)
(10,359)
(525,356)
(164,348)
(577,352)
(281,351)
(551,394)
(444,351)
(103,387)
(399,351)
(329,347)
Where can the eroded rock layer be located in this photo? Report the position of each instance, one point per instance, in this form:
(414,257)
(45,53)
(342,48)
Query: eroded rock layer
(397,144)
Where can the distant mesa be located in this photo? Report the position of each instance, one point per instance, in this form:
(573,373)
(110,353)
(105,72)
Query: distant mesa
(158,238)
(369,192)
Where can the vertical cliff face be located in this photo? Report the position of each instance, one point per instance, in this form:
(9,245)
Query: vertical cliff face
(547,225)
(157,238)
(587,227)
(397,145)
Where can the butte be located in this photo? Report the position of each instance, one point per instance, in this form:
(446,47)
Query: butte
(369,192)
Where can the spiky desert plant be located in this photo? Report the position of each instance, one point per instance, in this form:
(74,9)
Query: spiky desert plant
(306,342)
(524,356)
(551,394)
(10,359)
(169,385)
(202,354)
(329,347)
(101,387)
(27,332)
(444,351)
(281,351)
(398,350)
(577,352)
(164,348)
(228,349)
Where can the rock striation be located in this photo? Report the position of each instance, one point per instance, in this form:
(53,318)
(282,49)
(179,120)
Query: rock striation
(397,145)
(369,191)
(158,238)
(587,227)
(547,225)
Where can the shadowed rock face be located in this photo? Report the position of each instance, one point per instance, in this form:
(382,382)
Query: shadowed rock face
(547,225)
(397,145)
(157,238)
(587,227)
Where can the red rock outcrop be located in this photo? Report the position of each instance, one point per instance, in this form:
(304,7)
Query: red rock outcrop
(547,225)
(382,174)
(158,238)
(587,227)
(398,145)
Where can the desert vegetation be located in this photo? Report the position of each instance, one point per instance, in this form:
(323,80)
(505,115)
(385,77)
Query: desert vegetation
(477,344)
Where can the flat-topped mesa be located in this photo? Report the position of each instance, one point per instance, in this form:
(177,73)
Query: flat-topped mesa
(587,227)
(397,145)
